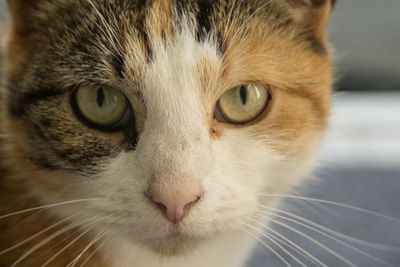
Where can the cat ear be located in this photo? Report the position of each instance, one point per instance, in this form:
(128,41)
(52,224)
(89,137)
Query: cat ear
(317,16)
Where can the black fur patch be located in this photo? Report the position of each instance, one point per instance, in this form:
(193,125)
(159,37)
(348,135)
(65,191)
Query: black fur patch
(205,9)
(19,103)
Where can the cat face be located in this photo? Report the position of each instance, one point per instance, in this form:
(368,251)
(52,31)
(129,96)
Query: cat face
(140,107)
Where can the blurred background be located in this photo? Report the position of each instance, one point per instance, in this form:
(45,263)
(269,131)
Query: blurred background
(359,168)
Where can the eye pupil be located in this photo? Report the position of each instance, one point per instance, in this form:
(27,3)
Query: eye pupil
(243,95)
(100,97)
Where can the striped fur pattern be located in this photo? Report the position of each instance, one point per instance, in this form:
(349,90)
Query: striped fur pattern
(172,59)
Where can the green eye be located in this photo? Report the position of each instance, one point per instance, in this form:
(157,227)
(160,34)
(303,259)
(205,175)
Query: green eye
(242,104)
(101,105)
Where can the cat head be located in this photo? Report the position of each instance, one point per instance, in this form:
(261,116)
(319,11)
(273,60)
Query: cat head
(171,118)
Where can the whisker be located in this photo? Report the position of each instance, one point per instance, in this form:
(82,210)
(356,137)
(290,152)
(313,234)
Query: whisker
(291,244)
(338,204)
(330,237)
(268,247)
(49,206)
(334,253)
(316,207)
(277,239)
(38,234)
(44,241)
(94,252)
(335,233)
(74,232)
(91,243)
(268,236)
(69,244)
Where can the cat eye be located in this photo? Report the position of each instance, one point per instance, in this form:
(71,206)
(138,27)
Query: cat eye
(101,106)
(242,104)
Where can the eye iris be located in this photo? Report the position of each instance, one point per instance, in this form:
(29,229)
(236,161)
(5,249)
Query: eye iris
(100,97)
(101,105)
(242,104)
(243,95)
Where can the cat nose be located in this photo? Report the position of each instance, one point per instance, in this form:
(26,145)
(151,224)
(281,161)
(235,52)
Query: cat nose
(175,206)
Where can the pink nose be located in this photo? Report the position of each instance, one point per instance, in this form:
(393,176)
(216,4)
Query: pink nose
(175,206)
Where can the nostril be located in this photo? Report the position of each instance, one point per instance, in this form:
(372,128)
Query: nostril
(174,206)
(198,198)
(190,204)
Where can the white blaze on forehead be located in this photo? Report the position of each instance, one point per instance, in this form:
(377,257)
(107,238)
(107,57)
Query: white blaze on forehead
(172,83)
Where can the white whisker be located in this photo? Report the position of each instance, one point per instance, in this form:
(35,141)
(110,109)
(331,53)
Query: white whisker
(291,244)
(268,247)
(49,206)
(44,241)
(334,253)
(91,243)
(268,236)
(338,204)
(330,237)
(335,233)
(38,234)
(94,252)
(69,244)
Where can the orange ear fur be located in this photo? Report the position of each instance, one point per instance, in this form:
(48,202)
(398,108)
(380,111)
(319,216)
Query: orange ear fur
(318,16)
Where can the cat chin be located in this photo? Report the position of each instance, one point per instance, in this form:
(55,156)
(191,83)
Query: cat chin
(174,245)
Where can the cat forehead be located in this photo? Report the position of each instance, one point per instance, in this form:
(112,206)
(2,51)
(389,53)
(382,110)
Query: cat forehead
(97,38)
(146,19)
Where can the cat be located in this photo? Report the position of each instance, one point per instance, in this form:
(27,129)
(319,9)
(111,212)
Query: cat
(153,133)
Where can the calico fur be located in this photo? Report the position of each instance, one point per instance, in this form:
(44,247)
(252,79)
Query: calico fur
(172,60)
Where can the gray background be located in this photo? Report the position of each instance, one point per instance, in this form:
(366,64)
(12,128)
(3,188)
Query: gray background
(366,38)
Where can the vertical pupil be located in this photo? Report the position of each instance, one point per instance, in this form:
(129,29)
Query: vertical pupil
(243,95)
(100,97)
